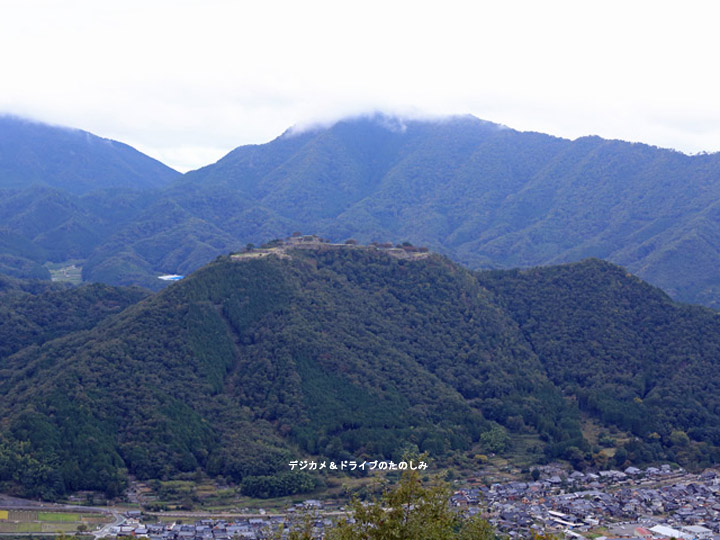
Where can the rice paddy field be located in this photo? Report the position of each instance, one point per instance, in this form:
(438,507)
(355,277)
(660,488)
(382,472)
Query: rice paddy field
(31,521)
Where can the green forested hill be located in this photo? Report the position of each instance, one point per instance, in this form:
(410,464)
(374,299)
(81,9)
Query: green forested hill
(628,354)
(34,312)
(40,223)
(248,363)
(349,352)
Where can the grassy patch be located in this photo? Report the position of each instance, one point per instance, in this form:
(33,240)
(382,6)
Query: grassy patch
(28,527)
(66,527)
(591,429)
(58,516)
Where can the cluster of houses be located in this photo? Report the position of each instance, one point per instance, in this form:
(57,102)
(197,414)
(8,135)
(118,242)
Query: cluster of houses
(653,503)
(251,528)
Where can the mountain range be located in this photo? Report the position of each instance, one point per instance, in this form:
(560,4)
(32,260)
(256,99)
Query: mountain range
(483,194)
(309,349)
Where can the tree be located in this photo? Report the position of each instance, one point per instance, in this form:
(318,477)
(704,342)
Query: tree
(621,456)
(495,439)
(411,511)
(679,438)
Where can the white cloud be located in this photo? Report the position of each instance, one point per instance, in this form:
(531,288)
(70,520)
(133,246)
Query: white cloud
(188,80)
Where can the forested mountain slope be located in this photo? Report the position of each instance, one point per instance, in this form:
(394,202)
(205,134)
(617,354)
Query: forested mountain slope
(34,312)
(483,194)
(72,160)
(351,352)
(629,355)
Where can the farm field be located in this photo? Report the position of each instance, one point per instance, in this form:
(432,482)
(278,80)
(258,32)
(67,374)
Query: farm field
(31,521)
(70,271)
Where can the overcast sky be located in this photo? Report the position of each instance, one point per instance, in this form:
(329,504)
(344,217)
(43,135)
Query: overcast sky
(186,81)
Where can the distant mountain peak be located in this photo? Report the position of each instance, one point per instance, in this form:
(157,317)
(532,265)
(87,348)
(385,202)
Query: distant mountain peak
(74,160)
(392,122)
